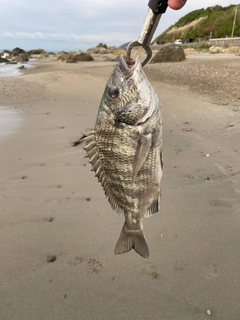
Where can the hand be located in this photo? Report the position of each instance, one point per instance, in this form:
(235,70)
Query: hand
(176,4)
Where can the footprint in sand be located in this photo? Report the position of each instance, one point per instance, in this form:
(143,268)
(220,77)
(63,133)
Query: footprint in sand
(88,265)
(210,272)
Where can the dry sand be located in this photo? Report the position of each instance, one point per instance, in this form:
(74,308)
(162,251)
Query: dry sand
(52,206)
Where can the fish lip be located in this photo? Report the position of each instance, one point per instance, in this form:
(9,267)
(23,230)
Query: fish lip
(128,69)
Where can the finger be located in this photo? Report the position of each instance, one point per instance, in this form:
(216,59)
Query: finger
(176,4)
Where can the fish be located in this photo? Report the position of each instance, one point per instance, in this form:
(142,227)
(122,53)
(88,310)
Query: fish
(125,151)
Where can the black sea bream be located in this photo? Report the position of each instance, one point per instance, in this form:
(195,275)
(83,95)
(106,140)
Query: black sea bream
(125,150)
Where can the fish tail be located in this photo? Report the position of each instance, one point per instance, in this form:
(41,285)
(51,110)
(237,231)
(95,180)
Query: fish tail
(129,240)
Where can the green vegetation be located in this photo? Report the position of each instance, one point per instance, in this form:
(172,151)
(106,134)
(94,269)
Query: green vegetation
(216,22)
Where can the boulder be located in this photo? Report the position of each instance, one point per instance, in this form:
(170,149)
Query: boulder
(169,52)
(37,51)
(16,52)
(4,60)
(102,45)
(116,50)
(214,50)
(73,57)
(22,57)
(102,50)
(233,49)
(62,56)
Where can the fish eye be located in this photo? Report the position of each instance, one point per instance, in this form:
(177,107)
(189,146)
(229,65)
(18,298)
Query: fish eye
(113,92)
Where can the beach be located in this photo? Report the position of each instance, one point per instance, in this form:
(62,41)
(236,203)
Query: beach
(58,232)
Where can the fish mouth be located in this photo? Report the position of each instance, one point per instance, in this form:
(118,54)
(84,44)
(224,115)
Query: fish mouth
(127,67)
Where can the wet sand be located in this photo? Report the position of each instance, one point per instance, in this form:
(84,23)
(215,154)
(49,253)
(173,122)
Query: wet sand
(58,232)
(10,120)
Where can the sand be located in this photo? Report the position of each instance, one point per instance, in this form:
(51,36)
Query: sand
(58,232)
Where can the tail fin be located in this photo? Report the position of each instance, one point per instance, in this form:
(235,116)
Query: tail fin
(129,240)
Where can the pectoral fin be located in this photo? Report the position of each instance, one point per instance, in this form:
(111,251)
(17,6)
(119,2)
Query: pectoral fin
(143,148)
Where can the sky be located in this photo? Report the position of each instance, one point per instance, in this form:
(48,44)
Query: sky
(72,25)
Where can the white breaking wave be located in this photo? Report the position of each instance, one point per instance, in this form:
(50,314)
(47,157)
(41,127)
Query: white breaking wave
(11,70)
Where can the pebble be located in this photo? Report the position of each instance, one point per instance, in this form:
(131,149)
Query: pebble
(209,312)
(51,258)
(154,274)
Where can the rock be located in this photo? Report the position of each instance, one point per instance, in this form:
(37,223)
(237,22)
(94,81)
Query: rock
(104,49)
(73,57)
(169,52)
(189,51)
(16,52)
(97,51)
(51,258)
(63,56)
(37,51)
(102,45)
(209,312)
(214,50)
(154,274)
(3,60)
(232,49)
(116,50)
(101,48)
(22,57)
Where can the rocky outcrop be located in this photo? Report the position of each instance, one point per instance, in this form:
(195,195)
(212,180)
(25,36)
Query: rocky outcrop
(22,57)
(36,51)
(214,50)
(16,52)
(102,48)
(73,57)
(19,55)
(3,60)
(233,49)
(169,52)
(102,45)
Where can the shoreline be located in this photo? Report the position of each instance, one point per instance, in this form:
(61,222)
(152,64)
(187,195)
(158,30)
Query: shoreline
(10,121)
(15,70)
(213,77)
(58,232)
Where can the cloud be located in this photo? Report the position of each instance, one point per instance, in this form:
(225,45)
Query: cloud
(61,37)
(87,21)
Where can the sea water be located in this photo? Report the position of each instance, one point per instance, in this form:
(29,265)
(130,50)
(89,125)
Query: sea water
(10,121)
(11,70)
